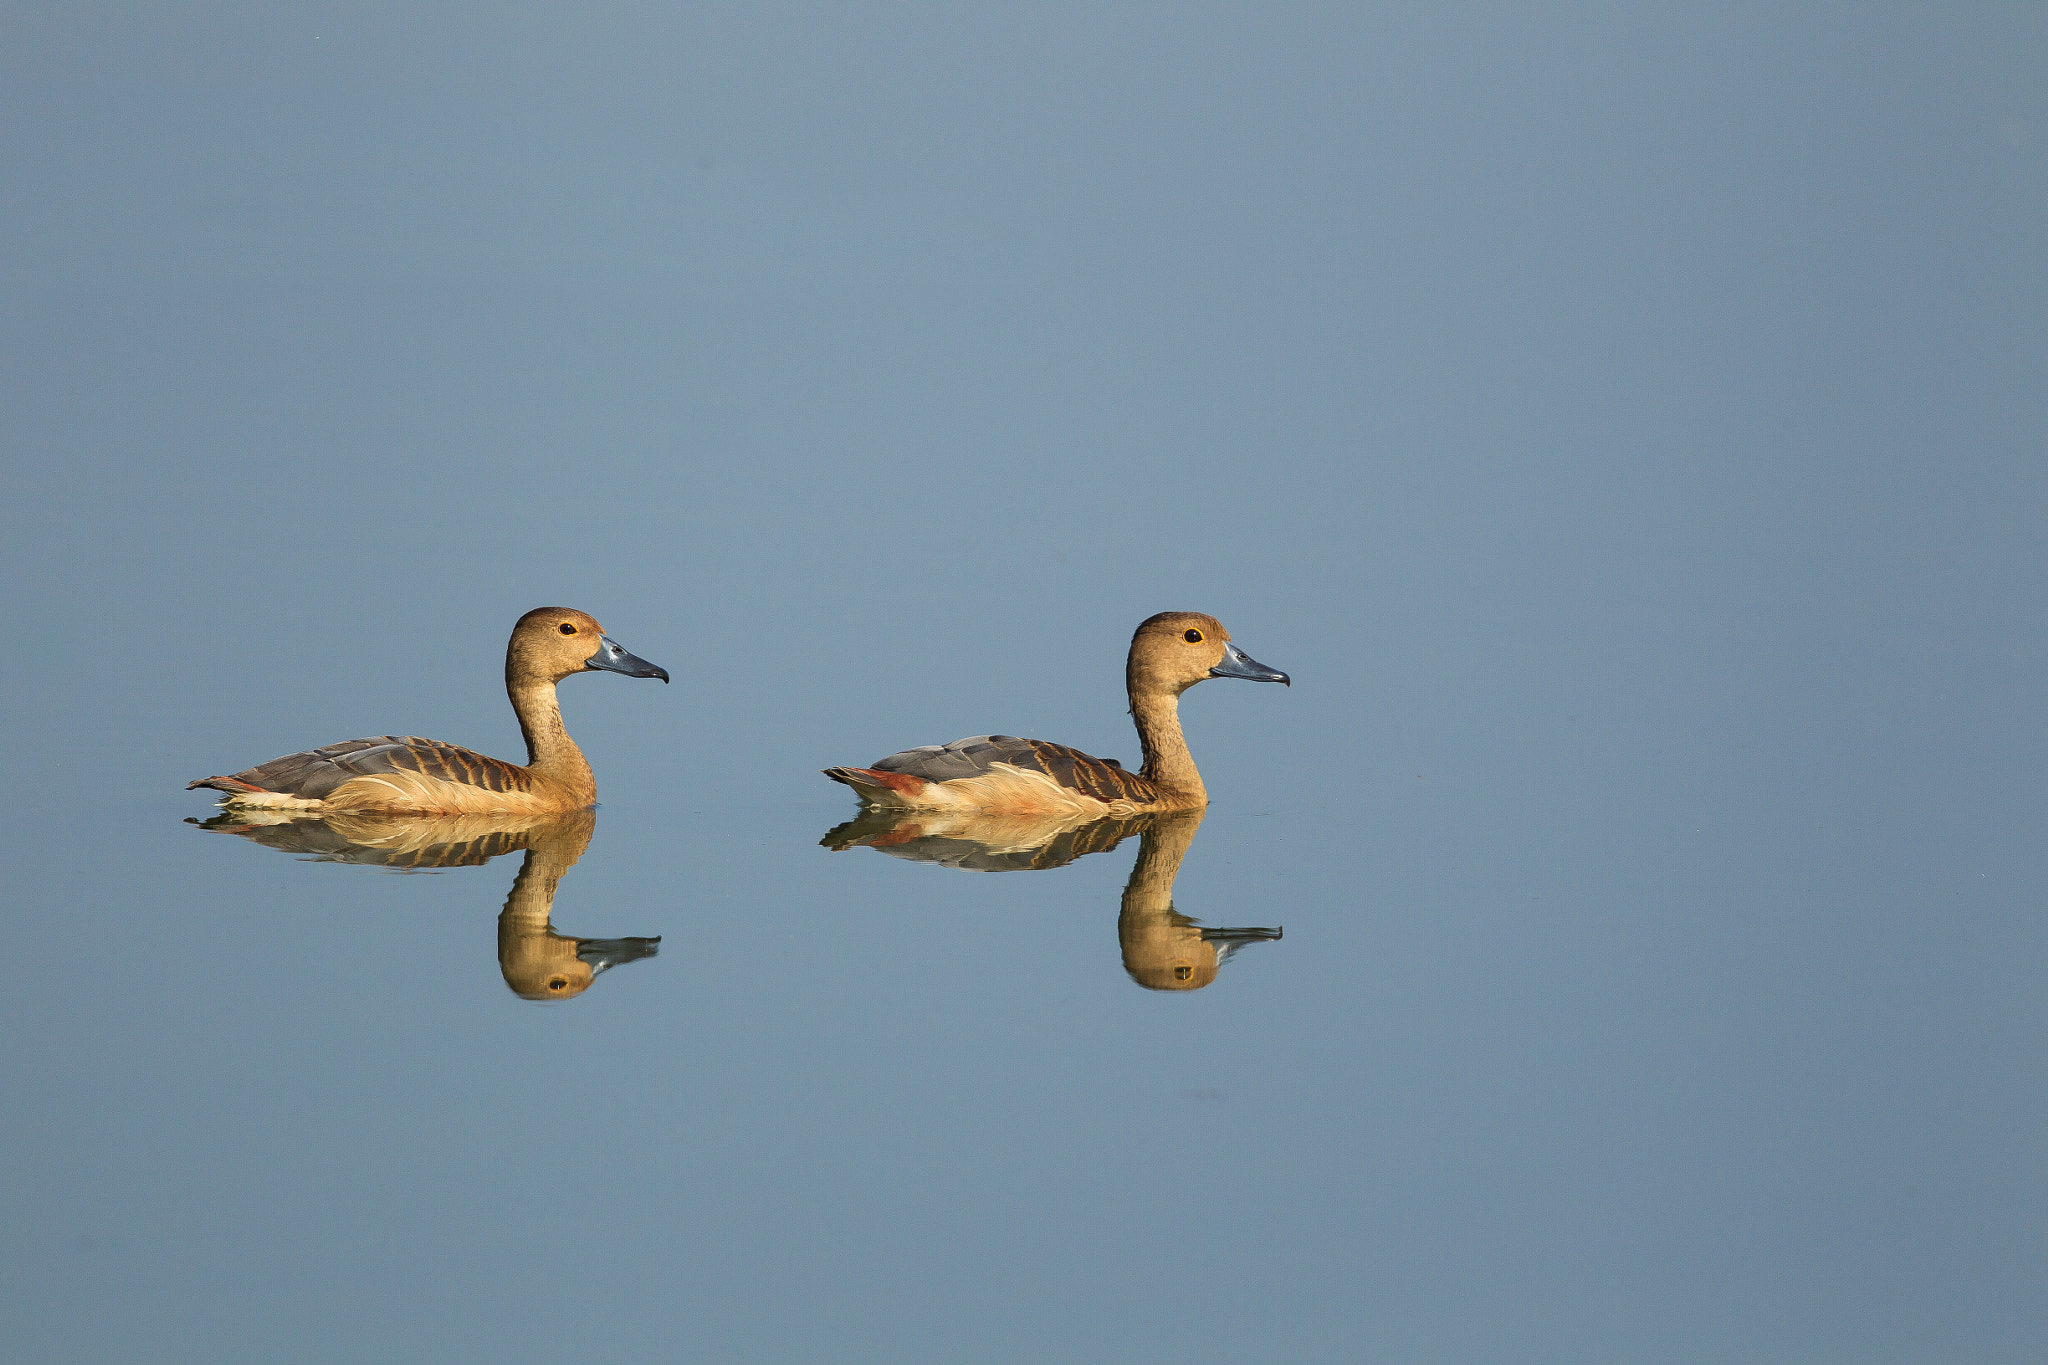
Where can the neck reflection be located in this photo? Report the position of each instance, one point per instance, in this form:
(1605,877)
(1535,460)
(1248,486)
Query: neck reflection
(1163,950)
(537,962)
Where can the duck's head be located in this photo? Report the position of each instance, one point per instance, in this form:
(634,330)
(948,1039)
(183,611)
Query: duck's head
(1174,956)
(550,643)
(540,964)
(1166,953)
(1177,649)
(1171,952)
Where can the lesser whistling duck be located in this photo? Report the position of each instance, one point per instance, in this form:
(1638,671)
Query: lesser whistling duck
(1170,653)
(401,774)
(538,962)
(1163,949)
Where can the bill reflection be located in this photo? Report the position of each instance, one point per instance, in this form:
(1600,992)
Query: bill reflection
(537,962)
(1163,950)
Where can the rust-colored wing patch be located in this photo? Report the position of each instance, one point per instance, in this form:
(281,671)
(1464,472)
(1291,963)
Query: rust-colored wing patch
(875,777)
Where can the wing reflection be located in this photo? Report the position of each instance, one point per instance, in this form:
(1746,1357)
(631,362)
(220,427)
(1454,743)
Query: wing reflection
(537,962)
(1163,950)
(982,843)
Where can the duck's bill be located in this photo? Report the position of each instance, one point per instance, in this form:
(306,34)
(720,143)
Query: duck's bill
(602,954)
(612,657)
(1238,664)
(1234,937)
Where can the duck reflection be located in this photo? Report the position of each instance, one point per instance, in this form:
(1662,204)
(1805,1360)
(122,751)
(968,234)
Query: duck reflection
(1163,950)
(537,962)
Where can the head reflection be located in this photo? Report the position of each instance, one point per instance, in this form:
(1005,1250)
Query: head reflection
(537,962)
(1163,950)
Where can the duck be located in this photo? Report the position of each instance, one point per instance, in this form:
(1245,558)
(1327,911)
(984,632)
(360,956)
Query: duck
(406,775)
(1163,949)
(537,961)
(1003,774)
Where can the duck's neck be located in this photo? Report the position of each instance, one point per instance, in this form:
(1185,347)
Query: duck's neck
(554,849)
(1168,764)
(550,754)
(539,963)
(1149,894)
(1162,948)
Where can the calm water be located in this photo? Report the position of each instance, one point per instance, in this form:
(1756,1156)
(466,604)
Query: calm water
(1623,942)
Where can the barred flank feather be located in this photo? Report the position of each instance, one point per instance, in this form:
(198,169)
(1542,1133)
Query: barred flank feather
(315,774)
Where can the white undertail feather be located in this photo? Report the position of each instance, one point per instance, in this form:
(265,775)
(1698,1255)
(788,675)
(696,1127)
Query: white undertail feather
(269,801)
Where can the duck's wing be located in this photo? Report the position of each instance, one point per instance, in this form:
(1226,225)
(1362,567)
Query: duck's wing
(1102,778)
(314,774)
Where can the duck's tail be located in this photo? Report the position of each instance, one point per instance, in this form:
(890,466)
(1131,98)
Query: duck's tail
(233,786)
(883,789)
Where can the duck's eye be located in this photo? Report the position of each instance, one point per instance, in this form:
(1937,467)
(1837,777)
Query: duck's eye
(558,983)
(1193,637)
(568,627)
(1183,973)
